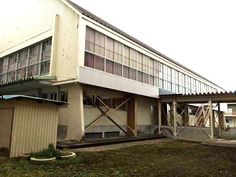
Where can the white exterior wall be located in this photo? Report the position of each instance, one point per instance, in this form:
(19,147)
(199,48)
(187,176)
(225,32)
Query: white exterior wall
(43,19)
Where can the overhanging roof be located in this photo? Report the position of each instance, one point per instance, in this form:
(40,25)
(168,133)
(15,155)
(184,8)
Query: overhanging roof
(219,97)
(12,97)
(110,26)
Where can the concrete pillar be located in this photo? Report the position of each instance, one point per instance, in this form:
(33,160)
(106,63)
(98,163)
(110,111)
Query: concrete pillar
(132,117)
(159,117)
(73,115)
(175,118)
(212,126)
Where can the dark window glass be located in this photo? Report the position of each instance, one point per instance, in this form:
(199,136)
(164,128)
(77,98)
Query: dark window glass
(109,66)
(140,76)
(132,73)
(99,63)
(145,78)
(33,70)
(118,69)
(89,60)
(125,72)
(45,67)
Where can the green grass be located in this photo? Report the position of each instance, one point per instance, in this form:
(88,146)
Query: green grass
(164,160)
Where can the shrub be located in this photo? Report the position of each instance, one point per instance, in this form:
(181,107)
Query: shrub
(48,153)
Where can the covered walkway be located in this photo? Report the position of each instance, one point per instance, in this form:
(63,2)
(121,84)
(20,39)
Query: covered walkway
(196,117)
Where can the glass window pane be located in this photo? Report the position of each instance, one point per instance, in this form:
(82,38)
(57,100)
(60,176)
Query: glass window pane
(99,63)
(45,67)
(89,60)
(125,72)
(132,73)
(22,60)
(118,69)
(12,63)
(34,54)
(109,66)
(90,39)
(46,50)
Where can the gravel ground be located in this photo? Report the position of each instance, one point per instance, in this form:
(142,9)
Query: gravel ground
(121,145)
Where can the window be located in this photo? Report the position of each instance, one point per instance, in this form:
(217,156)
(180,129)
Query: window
(32,70)
(22,60)
(125,71)
(145,78)
(155,68)
(90,38)
(104,53)
(110,48)
(89,60)
(34,54)
(99,63)
(146,64)
(126,56)
(140,76)
(118,69)
(109,66)
(133,58)
(46,55)
(12,63)
(118,52)
(132,73)
(99,44)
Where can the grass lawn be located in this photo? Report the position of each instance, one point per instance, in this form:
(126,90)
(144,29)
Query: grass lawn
(164,159)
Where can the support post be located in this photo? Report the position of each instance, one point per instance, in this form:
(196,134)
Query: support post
(159,117)
(219,120)
(212,126)
(74,113)
(132,117)
(175,118)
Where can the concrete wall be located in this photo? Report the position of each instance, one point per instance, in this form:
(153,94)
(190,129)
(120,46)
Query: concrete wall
(72,117)
(34,126)
(146,123)
(190,133)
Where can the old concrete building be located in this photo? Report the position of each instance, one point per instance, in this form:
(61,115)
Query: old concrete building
(111,80)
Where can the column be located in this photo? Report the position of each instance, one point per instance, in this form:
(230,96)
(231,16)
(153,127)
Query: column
(159,117)
(175,118)
(132,117)
(73,115)
(212,126)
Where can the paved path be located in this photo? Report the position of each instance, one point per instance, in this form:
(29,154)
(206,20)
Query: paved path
(221,142)
(121,145)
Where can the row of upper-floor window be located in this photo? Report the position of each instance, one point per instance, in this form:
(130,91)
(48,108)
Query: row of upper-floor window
(168,78)
(31,61)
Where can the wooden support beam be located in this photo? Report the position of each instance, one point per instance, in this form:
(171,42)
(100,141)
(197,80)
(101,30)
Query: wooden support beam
(219,120)
(212,126)
(132,117)
(175,117)
(159,117)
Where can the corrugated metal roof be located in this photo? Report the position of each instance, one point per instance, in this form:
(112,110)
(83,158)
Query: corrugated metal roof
(17,81)
(218,97)
(108,25)
(11,97)
(199,94)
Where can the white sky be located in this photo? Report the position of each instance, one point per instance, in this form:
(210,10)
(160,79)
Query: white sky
(200,34)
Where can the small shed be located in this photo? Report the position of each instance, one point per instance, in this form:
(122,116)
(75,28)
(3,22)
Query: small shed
(27,124)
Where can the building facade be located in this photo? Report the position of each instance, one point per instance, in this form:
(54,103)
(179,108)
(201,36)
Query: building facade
(111,80)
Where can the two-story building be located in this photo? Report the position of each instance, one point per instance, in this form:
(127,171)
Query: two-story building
(58,50)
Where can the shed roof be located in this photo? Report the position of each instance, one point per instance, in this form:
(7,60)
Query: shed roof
(12,97)
(219,97)
(108,25)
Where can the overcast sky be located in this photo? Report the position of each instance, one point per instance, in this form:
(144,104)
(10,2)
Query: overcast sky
(200,34)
